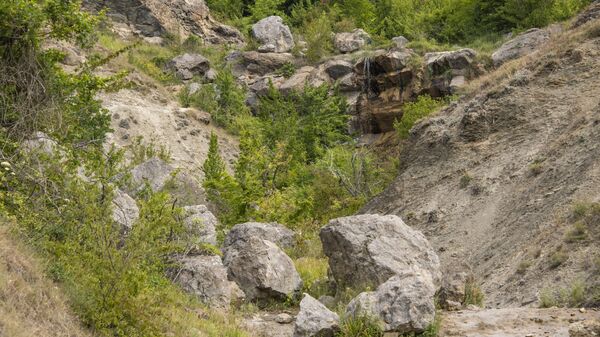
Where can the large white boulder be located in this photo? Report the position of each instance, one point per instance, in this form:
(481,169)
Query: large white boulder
(262,270)
(368,249)
(315,320)
(404,304)
(273,35)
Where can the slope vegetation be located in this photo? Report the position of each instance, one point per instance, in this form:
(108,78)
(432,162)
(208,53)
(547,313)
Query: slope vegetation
(30,304)
(501,179)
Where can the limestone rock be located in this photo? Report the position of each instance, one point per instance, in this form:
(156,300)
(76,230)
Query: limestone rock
(157,17)
(368,249)
(262,270)
(587,328)
(187,65)
(125,210)
(255,63)
(458,62)
(400,41)
(155,172)
(274,232)
(206,278)
(521,45)
(405,303)
(39,142)
(201,223)
(315,320)
(351,42)
(273,35)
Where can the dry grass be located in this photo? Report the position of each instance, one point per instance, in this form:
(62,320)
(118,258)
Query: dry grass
(557,46)
(30,304)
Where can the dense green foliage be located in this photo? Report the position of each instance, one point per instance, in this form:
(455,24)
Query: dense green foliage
(414,111)
(444,21)
(297,164)
(225,100)
(60,195)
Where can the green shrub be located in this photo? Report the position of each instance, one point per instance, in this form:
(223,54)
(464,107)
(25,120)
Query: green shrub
(360,326)
(473,293)
(287,70)
(577,233)
(414,111)
(313,272)
(573,296)
(558,258)
(317,35)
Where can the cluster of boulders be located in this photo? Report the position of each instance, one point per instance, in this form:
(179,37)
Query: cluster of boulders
(154,18)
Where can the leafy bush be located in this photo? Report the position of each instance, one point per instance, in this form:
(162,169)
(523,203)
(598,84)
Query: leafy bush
(360,326)
(473,293)
(573,296)
(313,272)
(294,166)
(414,111)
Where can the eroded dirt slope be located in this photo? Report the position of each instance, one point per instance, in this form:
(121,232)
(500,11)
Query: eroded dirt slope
(491,180)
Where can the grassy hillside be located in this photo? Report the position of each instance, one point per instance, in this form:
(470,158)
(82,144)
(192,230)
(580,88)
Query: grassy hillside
(30,303)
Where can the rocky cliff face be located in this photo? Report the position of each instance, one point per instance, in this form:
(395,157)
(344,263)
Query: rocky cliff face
(156,18)
(493,178)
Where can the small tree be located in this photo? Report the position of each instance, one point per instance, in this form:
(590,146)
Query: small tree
(214,166)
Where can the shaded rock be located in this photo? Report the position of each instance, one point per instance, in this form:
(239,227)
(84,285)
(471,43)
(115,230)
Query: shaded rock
(521,45)
(262,270)
(125,211)
(328,301)
(405,303)
(458,62)
(455,276)
(587,328)
(449,70)
(274,232)
(261,86)
(155,172)
(273,35)
(187,65)
(338,68)
(368,249)
(206,278)
(315,320)
(157,17)
(590,14)
(201,223)
(350,42)
(400,41)
(253,62)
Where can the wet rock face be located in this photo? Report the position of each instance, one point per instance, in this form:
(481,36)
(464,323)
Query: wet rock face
(366,250)
(314,319)
(206,278)
(262,270)
(405,303)
(273,35)
(521,45)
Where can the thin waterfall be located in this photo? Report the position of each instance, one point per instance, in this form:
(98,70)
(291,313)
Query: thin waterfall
(367,72)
